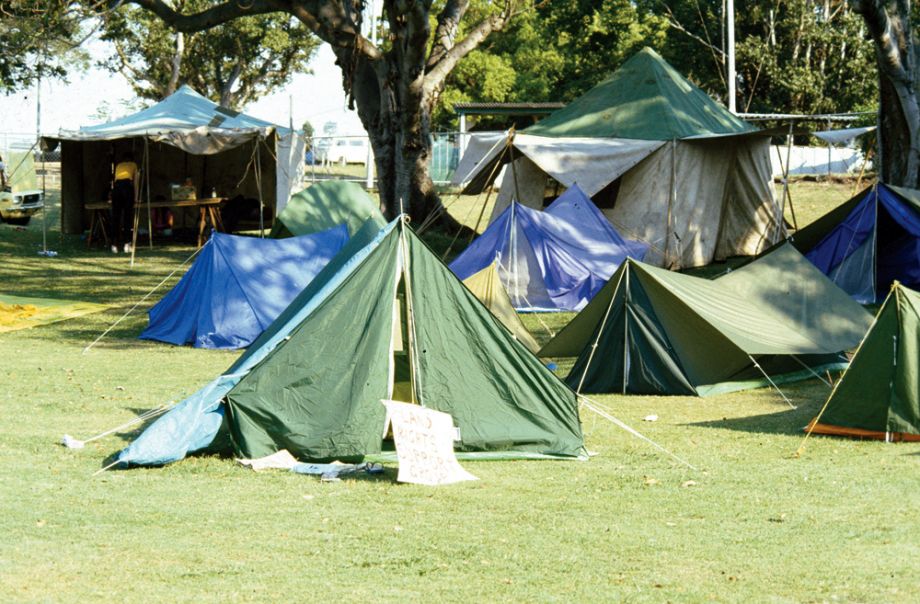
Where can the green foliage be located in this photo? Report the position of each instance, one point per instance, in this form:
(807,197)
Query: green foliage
(791,56)
(308,132)
(234,64)
(38,40)
(553,52)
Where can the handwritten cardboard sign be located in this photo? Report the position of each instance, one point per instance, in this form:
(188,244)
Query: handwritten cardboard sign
(424,445)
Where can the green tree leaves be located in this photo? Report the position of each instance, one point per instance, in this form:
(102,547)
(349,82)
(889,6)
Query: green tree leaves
(234,64)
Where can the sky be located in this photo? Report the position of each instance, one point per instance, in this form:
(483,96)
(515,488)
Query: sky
(317,97)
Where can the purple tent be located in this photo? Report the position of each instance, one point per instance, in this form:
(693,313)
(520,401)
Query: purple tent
(551,260)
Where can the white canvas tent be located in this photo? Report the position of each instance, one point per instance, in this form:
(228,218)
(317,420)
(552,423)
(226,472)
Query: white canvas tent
(183,136)
(666,164)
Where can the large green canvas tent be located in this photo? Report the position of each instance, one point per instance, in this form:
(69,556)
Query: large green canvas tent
(325,205)
(653,331)
(388,321)
(879,395)
(667,165)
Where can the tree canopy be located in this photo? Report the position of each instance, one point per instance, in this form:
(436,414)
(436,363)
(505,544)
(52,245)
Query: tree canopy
(792,57)
(39,39)
(233,64)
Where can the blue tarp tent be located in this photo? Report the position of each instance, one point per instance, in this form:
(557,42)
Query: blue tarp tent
(238,286)
(552,260)
(868,243)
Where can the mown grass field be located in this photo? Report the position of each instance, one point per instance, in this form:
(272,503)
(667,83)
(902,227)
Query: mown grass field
(751,524)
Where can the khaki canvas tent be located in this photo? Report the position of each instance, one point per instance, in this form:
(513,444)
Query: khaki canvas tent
(653,331)
(486,286)
(182,136)
(667,165)
(879,395)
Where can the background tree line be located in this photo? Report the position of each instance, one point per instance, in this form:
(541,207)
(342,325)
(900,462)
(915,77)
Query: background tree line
(800,56)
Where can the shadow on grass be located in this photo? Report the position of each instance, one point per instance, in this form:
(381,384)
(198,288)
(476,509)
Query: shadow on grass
(788,421)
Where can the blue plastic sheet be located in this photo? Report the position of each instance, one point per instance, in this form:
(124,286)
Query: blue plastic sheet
(553,260)
(190,426)
(238,286)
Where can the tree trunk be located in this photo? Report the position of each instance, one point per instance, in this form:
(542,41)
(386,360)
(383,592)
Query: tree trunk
(888,22)
(395,111)
(176,65)
(394,88)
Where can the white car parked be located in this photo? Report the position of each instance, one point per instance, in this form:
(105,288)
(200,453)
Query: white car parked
(346,151)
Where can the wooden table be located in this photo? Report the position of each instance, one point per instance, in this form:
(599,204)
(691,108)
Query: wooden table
(208,209)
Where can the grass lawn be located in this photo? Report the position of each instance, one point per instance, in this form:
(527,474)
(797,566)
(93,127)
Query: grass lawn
(752,524)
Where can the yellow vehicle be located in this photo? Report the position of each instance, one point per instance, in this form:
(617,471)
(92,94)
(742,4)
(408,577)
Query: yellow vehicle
(19,207)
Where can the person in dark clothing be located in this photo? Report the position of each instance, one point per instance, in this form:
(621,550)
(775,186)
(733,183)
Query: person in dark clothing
(123,203)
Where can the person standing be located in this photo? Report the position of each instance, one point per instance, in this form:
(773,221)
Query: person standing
(123,203)
(2,175)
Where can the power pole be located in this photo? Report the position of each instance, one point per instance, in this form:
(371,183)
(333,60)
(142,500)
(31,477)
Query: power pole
(730,27)
(369,184)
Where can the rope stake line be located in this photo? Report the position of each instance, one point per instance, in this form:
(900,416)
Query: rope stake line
(599,409)
(141,301)
(772,383)
(74,443)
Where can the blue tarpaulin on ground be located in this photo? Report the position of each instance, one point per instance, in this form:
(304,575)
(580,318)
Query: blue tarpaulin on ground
(552,260)
(238,286)
(877,243)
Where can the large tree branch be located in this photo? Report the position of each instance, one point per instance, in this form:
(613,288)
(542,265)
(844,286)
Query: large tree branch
(876,17)
(446,31)
(437,75)
(332,24)
(208,18)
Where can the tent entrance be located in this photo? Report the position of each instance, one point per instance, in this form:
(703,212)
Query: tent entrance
(897,255)
(403,389)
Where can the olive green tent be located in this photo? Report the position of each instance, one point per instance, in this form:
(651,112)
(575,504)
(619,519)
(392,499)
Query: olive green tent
(394,322)
(325,205)
(879,395)
(653,331)
(486,286)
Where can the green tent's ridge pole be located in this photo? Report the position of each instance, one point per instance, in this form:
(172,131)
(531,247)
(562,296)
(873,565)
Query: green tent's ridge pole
(628,300)
(772,383)
(414,363)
